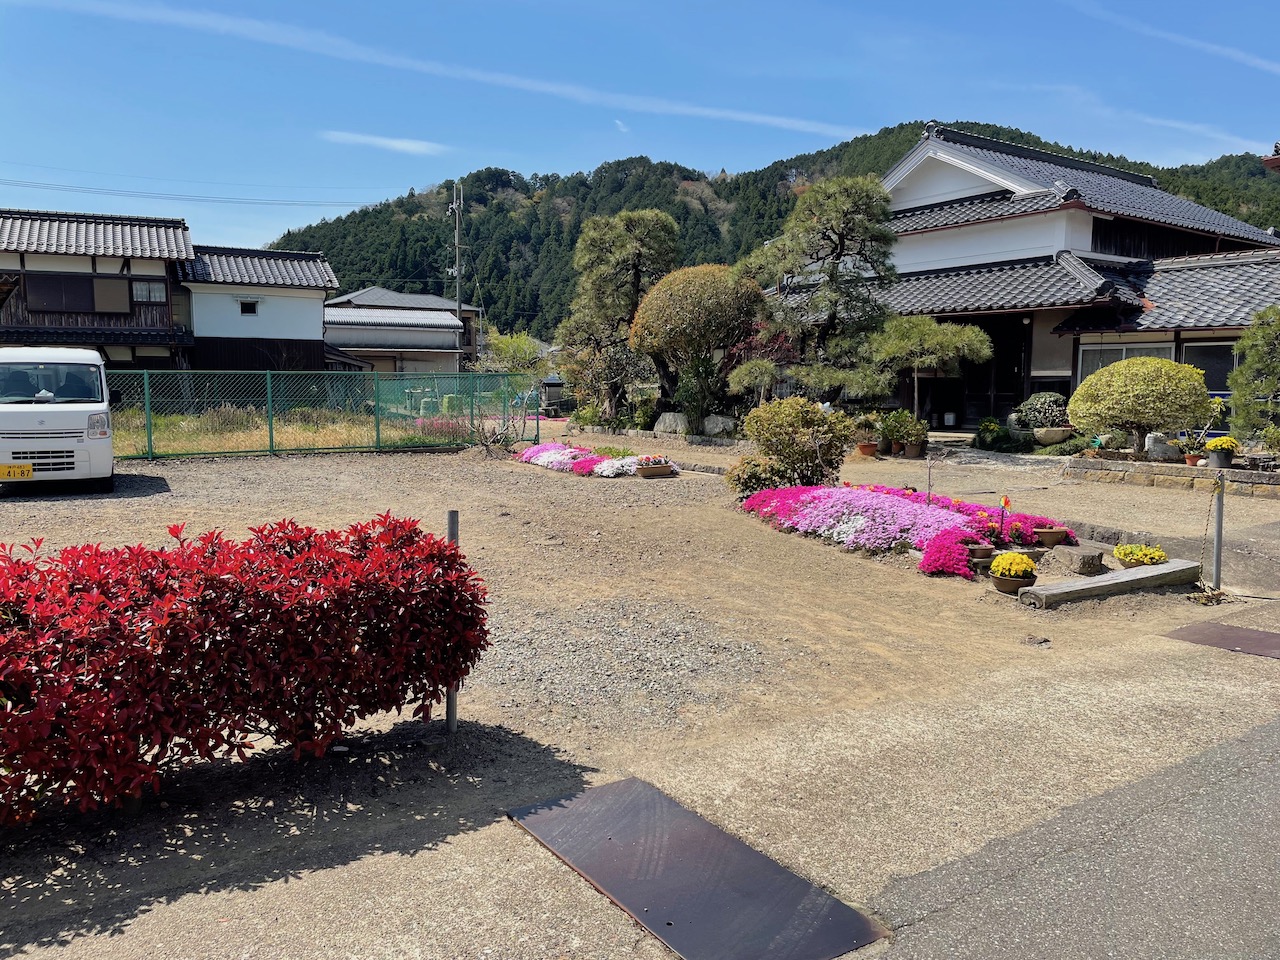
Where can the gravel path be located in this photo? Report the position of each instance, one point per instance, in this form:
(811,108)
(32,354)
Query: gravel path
(849,717)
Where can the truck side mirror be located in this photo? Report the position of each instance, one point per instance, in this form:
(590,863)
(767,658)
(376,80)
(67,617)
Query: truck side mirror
(113,396)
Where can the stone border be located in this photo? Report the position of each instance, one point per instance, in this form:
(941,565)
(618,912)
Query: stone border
(693,439)
(1173,476)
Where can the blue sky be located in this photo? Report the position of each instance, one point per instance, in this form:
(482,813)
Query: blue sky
(328,104)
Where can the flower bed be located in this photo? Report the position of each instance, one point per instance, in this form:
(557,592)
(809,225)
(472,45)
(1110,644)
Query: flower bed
(585,462)
(879,519)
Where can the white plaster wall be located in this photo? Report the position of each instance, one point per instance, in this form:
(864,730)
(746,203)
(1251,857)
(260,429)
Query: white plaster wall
(58,263)
(1078,225)
(10,261)
(439,363)
(283,314)
(935,181)
(110,264)
(147,268)
(1024,237)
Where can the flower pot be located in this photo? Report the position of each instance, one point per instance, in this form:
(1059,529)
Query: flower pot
(867,449)
(1012,584)
(1050,537)
(1130,564)
(980,551)
(1193,459)
(897,446)
(1048,436)
(1220,459)
(655,470)
(914,451)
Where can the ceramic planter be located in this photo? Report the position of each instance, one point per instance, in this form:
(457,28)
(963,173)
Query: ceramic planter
(980,551)
(897,446)
(655,470)
(1193,459)
(1220,459)
(1012,585)
(914,451)
(867,449)
(1048,436)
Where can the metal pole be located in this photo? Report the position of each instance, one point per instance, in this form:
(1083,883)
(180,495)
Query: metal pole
(146,405)
(271,419)
(451,698)
(377,414)
(1220,493)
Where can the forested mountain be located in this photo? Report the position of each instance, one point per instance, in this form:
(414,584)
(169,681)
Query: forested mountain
(520,231)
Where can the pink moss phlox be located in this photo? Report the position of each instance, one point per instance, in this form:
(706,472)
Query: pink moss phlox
(526,456)
(584,465)
(982,519)
(948,553)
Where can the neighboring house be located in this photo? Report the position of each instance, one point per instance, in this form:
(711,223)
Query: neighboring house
(255,309)
(136,289)
(96,281)
(1273,162)
(1068,265)
(402,332)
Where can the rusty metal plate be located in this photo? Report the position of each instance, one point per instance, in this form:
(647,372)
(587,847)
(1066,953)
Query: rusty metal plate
(702,892)
(1261,643)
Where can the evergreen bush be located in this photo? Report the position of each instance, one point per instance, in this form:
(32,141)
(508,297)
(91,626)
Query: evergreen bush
(1140,395)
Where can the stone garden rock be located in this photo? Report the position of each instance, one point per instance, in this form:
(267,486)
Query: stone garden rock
(1158,448)
(672,423)
(1082,560)
(716,426)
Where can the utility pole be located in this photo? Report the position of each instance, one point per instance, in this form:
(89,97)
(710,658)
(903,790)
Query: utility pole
(456,209)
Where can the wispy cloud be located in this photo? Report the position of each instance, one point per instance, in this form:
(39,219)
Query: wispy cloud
(324,44)
(622,127)
(421,148)
(1090,101)
(1146,30)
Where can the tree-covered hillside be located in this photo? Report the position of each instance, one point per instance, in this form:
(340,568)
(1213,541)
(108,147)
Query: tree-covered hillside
(520,231)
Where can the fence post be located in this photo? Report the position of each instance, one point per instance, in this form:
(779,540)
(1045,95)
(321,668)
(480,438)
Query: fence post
(473,404)
(1219,493)
(451,698)
(271,418)
(146,408)
(377,413)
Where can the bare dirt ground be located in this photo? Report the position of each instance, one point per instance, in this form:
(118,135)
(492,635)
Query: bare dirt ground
(849,717)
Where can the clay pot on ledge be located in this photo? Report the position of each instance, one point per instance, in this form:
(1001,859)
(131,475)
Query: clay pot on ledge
(867,449)
(1193,459)
(980,551)
(1050,537)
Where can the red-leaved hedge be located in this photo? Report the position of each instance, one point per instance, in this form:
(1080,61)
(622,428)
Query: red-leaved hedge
(118,663)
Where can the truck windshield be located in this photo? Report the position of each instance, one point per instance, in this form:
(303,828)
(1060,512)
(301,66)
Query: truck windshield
(50,383)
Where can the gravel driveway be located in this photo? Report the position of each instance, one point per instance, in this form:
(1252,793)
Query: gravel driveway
(849,717)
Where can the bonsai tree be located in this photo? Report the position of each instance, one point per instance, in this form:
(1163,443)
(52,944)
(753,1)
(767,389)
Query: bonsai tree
(922,343)
(1255,383)
(1138,396)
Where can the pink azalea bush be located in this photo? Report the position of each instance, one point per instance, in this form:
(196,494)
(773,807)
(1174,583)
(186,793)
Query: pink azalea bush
(879,519)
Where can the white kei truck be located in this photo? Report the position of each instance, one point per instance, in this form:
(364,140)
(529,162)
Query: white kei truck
(55,417)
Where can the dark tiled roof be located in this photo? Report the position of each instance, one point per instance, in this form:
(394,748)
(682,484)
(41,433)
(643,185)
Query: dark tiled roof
(94,235)
(991,206)
(381,297)
(1043,282)
(1101,188)
(259,268)
(1200,293)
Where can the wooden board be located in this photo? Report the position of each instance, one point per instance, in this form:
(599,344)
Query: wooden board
(702,892)
(1169,574)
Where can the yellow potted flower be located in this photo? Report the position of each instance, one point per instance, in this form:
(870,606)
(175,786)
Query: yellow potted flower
(1139,555)
(1011,571)
(1221,450)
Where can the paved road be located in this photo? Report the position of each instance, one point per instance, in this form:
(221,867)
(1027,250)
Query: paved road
(1184,865)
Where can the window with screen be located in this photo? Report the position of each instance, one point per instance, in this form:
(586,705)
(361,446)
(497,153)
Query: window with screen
(1217,360)
(149,291)
(1093,357)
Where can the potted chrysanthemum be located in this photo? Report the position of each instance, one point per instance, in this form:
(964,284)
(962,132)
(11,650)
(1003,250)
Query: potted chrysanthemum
(1012,571)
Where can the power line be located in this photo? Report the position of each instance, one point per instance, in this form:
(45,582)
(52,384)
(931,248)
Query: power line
(213,183)
(184,198)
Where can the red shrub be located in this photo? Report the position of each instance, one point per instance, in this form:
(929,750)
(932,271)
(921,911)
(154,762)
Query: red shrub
(117,663)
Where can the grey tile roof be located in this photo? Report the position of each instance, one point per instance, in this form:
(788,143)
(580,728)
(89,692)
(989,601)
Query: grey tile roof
(1041,282)
(94,235)
(991,206)
(1102,188)
(381,297)
(1199,293)
(352,316)
(260,268)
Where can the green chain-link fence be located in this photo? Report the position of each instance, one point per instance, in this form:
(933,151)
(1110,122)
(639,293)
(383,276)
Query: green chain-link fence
(187,412)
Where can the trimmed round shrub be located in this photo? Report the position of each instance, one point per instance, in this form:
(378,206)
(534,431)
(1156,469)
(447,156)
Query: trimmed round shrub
(1140,395)
(799,444)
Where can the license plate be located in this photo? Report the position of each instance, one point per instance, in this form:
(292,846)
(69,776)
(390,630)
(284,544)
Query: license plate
(15,471)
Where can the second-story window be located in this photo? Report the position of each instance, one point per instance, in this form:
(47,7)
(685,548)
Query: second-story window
(149,291)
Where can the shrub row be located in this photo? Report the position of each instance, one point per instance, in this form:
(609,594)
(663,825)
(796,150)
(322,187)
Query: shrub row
(116,664)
